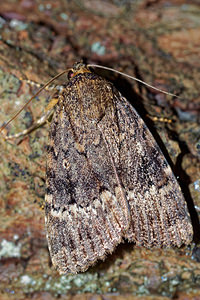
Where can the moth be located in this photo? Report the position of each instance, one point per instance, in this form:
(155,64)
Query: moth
(107,179)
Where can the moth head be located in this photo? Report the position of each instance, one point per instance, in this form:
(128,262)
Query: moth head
(78,68)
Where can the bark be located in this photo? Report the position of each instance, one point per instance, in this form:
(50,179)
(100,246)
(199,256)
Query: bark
(152,40)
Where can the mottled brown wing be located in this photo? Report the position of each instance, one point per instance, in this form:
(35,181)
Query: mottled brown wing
(159,215)
(106,179)
(86,209)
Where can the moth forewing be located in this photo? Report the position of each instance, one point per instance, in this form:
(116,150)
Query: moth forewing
(107,179)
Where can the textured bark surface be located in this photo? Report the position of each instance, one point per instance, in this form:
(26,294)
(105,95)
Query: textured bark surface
(156,42)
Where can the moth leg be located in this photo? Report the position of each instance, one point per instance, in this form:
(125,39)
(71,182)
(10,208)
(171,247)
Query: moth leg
(160,119)
(41,121)
(58,88)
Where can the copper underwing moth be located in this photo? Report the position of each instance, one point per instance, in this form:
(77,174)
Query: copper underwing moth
(107,179)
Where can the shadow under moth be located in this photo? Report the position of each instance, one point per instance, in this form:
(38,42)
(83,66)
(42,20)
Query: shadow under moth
(107,179)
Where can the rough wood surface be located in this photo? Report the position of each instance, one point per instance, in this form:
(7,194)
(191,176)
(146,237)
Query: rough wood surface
(157,41)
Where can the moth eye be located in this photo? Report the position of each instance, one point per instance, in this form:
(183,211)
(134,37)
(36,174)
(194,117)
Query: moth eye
(70,74)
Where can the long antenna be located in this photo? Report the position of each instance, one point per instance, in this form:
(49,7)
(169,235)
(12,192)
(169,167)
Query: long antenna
(134,78)
(89,65)
(35,95)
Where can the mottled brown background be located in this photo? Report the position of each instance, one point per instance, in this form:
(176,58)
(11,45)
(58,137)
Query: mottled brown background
(157,41)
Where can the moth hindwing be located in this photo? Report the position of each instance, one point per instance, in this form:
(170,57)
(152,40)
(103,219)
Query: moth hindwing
(107,179)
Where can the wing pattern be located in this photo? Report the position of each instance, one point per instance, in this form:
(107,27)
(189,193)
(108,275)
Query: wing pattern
(106,179)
